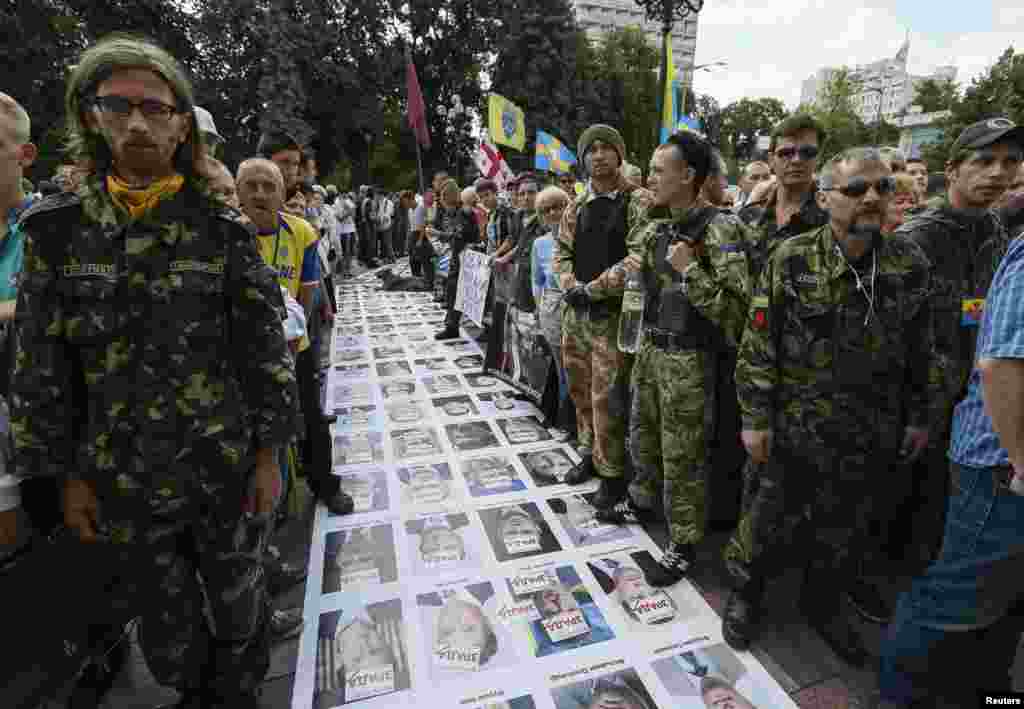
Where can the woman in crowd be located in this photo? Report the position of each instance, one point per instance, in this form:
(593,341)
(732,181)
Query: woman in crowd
(903,200)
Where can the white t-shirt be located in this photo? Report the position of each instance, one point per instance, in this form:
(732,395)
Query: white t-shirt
(345,213)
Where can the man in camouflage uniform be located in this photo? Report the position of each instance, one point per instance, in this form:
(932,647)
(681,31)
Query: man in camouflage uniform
(962,236)
(151,374)
(695,275)
(589,250)
(833,385)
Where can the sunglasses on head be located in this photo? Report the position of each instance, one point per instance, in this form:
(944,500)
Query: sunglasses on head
(806,152)
(858,187)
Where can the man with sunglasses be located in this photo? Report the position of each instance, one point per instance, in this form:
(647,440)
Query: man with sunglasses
(965,241)
(789,207)
(832,380)
(151,376)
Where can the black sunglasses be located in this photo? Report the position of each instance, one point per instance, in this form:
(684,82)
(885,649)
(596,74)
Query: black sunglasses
(122,107)
(806,152)
(858,187)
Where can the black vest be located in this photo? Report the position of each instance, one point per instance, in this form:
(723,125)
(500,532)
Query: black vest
(600,236)
(669,308)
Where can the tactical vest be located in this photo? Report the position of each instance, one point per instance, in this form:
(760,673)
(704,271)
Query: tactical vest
(669,308)
(601,227)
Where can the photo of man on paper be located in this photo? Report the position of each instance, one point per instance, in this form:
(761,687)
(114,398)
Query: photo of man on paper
(356,371)
(428,485)
(642,606)
(358,448)
(463,635)
(442,384)
(471,436)
(456,406)
(395,368)
(470,363)
(398,389)
(345,343)
(361,653)
(442,543)
(548,466)
(498,403)
(354,417)
(478,380)
(564,615)
(523,429)
(577,516)
(431,364)
(368,490)
(518,532)
(419,442)
(717,676)
(388,352)
(350,393)
(357,559)
(406,412)
(463,347)
(491,475)
(348,356)
(619,690)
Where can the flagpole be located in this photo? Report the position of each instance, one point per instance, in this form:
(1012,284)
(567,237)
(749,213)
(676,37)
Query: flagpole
(419,167)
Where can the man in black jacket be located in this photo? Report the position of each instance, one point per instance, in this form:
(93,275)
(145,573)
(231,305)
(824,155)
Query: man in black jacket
(455,225)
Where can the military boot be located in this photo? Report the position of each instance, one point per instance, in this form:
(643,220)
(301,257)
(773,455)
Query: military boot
(625,512)
(582,472)
(675,563)
(820,603)
(742,614)
(611,492)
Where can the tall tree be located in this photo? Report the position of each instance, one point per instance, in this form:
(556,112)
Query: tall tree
(534,69)
(834,109)
(936,95)
(744,120)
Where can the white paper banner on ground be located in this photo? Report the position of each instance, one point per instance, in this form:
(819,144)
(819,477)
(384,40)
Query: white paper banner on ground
(470,575)
(474,277)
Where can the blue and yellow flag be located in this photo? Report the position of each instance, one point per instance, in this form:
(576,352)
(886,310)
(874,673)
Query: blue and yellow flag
(669,109)
(506,124)
(551,155)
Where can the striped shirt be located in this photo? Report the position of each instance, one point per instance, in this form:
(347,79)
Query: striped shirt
(1001,336)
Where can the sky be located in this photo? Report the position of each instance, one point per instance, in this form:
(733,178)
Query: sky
(771,46)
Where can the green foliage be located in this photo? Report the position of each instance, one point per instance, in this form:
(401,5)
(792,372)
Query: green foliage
(936,95)
(744,120)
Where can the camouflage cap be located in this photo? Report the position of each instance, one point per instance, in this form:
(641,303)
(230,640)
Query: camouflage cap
(985,133)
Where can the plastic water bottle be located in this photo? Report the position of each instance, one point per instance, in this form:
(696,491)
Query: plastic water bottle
(631,322)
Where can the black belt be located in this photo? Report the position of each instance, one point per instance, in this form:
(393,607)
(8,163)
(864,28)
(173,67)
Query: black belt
(600,310)
(674,342)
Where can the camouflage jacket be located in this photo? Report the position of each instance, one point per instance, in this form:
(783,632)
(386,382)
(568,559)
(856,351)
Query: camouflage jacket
(817,361)
(612,281)
(766,234)
(965,252)
(716,282)
(147,351)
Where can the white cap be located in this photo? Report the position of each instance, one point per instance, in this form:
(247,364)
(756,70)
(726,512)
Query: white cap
(206,124)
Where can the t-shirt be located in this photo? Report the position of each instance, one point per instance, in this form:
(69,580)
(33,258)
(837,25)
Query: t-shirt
(291,252)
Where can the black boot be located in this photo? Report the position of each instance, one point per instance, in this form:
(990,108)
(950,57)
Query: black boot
(449,333)
(742,614)
(675,563)
(820,602)
(625,512)
(582,472)
(98,677)
(867,600)
(611,492)
(340,503)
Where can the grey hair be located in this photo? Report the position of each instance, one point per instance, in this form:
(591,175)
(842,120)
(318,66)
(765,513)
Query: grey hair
(260,162)
(22,123)
(850,156)
(551,193)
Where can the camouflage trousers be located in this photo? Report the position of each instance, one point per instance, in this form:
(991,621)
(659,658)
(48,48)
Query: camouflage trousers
(189,557)
(598,375)
(807,504)
(667,438)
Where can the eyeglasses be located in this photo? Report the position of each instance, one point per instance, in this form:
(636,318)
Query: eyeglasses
(858,187)
(121,107)
(806,152)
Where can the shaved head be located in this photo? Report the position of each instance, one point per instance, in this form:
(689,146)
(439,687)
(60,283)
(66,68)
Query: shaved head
(262,164)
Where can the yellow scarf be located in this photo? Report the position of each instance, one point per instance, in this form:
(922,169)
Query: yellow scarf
(138,202)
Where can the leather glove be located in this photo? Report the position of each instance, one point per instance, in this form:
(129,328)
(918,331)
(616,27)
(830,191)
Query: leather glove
(577,296)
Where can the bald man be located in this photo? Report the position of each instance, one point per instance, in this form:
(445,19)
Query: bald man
(753,174)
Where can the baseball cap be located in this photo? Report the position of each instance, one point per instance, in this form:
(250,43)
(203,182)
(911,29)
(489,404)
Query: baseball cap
(983,133)
(206,125)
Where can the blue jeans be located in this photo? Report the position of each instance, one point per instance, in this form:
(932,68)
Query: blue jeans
(962,618)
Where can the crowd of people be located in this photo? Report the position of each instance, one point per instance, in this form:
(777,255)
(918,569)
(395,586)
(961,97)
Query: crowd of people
(830,332)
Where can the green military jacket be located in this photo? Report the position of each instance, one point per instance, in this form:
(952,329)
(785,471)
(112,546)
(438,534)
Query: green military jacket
(819,361)
(149,352)
(716,283)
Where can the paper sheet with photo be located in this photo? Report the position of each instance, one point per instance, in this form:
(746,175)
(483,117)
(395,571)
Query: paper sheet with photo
(470,574)
(474,278)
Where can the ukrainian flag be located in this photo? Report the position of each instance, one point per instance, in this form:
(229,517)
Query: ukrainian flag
(551,155)
(506,122)
(669,111)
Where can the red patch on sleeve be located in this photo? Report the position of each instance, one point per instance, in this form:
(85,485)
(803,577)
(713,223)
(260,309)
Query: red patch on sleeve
(760,319)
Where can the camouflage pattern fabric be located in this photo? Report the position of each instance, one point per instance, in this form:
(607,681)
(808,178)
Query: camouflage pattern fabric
(765,232)
(151,363)
(837,381)
(598,375)
(671,412)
